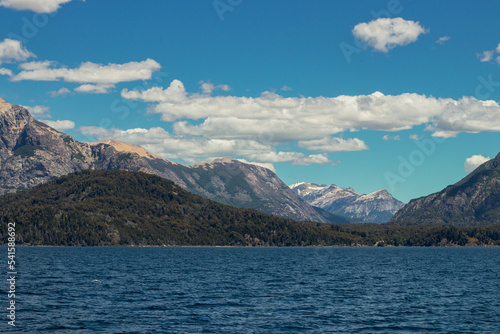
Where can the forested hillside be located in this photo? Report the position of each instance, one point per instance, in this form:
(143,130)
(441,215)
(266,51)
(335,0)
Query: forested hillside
(92,208)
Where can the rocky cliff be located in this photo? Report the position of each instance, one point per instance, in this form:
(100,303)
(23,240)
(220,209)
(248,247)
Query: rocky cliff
(475,200)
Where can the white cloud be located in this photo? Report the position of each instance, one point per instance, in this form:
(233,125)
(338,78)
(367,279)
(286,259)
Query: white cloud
(12,50)
(485,56)
(96,78)
(384,34)
(208,87)
(43,112)
(416,137)
(61,92)
(474,162)
(93,89)
(194,149)
(387,137)
(466,115)
(334,144)
(286,88)
(5,71)
(175,93)
(269,166)
(296,158)
(252,128)
(38,111)
(306,160)
(489,55)
(443,39)
(275,119)
(60,125)
(225,88)
(39,6)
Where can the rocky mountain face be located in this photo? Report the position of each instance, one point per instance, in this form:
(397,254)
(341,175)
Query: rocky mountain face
(238,184)
(32,153)
(377,207)
(475,200)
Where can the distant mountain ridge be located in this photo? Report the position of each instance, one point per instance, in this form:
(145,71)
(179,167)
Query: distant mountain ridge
(123,208)
(377,207)
(474,200)
(113,208)
(32,153)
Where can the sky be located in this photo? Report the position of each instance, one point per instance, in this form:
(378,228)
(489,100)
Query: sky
(400,95)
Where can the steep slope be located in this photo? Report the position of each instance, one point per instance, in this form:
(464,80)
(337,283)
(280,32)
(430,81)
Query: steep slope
(377,207)
(130,208)
(475,200)
(32,153)
(239,184)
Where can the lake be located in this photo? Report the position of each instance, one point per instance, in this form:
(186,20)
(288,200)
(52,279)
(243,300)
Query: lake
(255,290)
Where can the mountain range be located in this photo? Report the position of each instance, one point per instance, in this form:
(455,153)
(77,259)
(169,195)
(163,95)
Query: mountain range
(377,207)
(32,153)
(99,207)
(474,200)
(123,208)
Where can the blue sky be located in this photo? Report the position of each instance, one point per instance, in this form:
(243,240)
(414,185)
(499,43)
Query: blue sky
(394,95)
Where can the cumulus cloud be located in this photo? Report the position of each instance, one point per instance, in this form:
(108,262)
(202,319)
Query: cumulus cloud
(485,56)
(261,164)
(443,39)
(60,125)
(252,128)
(333,144)
(42,112)
(94,89)
(61,92)
(276,119)
(285,88)
(38,6)
(387,137)
(466,115)
(96,78)
(5,71)
(194,149)
(12,50)
(384,34)
(174,94)
(474,162)
(415,137)
(38,111)
(208,87)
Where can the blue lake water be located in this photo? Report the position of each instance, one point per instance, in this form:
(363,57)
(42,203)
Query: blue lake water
(255,290)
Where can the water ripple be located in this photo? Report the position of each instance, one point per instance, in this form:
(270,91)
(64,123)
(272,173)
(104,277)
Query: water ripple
(257,290)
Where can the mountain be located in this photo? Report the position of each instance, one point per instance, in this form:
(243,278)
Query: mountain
(377,207)
(32,153)
(121,208)
(130,208)
(474,200)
